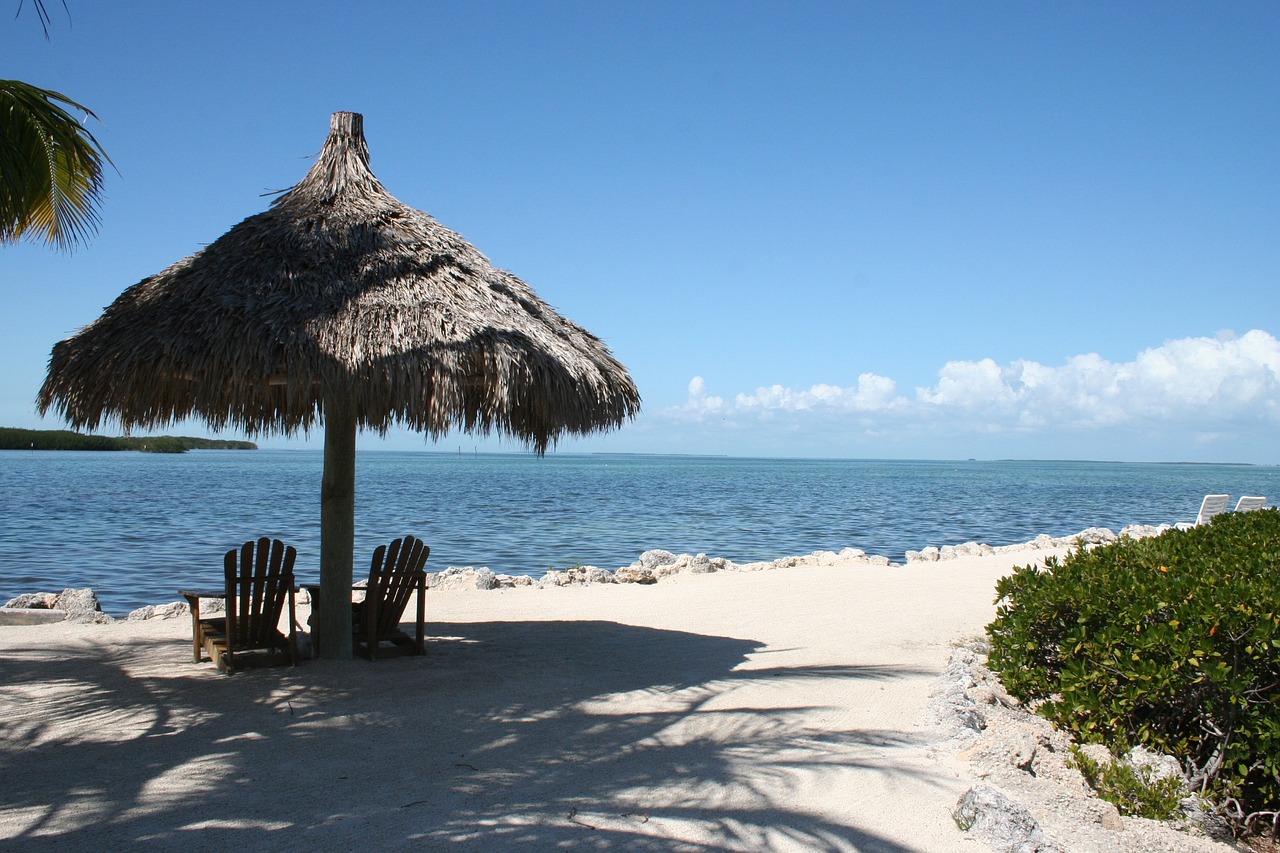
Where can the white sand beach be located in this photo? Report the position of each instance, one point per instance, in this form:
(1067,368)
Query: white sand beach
(773,710)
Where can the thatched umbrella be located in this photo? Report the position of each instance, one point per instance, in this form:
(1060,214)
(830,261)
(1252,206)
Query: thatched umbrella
(341,305)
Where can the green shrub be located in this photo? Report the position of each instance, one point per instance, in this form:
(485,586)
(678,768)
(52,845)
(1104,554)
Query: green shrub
(1132,791)
(1171,642)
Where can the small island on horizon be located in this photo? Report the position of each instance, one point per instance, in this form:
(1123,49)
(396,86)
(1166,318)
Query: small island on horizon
(12,438)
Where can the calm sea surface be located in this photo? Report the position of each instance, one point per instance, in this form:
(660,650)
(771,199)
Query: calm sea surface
(137,526)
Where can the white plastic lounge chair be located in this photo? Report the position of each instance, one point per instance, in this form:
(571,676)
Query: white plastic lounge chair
(1248,504)
(1211,506)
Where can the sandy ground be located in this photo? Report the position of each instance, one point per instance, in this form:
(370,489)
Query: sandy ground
(778,710)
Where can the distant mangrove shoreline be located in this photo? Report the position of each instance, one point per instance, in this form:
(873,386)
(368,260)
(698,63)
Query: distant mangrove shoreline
(12,438)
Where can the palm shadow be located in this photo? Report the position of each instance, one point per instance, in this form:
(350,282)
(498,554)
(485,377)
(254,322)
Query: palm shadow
(533,735)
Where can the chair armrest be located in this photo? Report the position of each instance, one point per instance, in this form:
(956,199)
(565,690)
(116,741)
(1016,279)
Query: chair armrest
(313,589)
(193,598)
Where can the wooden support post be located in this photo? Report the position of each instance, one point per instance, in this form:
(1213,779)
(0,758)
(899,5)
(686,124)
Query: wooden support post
(337,529)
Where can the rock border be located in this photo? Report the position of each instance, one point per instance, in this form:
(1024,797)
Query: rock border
(1026,796)
(651,567)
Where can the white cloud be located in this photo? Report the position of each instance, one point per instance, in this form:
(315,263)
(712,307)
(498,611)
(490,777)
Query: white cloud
(698,398)
(872,393)
(1199,382)
(973,384)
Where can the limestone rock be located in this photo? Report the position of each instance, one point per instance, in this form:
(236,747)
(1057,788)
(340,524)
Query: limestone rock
(553,578)
(1198,814)
(700,565)
(1093,536)
(654,559)
(1097,752)
(1024,757)
(172,610)
(462,577)
(1011,549)
(965,549)
(1143,531)
(35,601)
(1155,765)
(1002,696)
(1104,814)
(583,575)
(576,576)
(635,574)
(952,707)
(81,605)
(1002,823)
(212,605)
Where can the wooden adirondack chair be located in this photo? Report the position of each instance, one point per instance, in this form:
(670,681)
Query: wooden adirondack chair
(259,580)
(395,574)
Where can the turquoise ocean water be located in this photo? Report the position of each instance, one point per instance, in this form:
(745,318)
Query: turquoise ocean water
(136,526)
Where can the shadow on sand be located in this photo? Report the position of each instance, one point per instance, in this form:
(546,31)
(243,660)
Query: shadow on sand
(508,735)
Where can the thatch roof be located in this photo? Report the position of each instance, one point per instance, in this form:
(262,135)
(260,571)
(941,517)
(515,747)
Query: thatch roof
(339,289)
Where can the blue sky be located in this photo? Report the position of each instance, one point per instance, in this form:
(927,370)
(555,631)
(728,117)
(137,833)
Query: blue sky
(879,230)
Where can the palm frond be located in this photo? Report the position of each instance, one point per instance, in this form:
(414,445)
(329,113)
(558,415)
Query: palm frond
(51,167)
(43,14)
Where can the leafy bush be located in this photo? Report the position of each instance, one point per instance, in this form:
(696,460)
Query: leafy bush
(1132,791)
(1171,642)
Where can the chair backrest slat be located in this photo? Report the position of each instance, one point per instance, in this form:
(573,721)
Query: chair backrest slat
(394,575)
(1212,505)
(259,577)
